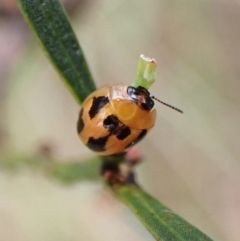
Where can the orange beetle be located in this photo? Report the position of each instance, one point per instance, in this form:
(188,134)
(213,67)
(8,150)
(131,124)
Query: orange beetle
(114,118)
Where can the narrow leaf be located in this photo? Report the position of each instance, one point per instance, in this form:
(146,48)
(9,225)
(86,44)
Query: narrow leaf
(49,22)
(160,221)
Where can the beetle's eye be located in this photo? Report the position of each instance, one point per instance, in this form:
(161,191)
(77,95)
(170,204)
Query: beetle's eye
(148,103)
(133,93)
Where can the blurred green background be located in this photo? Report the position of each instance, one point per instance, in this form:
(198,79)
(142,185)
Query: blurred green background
(191,161)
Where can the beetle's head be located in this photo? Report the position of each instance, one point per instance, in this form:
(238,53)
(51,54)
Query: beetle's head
(141,96)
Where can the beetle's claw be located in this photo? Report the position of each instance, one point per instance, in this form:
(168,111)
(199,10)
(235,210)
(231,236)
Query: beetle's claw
(115,173)
(113,178)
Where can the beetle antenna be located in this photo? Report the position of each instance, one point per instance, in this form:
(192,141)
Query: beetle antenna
(167,104)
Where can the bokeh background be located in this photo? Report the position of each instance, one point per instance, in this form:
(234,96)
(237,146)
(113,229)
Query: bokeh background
(191,161)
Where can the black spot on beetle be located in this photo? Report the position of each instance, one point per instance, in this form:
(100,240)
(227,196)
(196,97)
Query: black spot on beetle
(97,104)
(97,144)
(80,123)
(139,138)
(122,132)
(111,123)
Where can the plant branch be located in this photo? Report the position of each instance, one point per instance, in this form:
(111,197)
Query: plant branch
(48,21)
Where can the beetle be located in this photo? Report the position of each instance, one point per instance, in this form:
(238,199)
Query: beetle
(114,118)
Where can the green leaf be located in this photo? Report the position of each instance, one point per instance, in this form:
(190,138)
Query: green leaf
(49,22)
(160,221)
